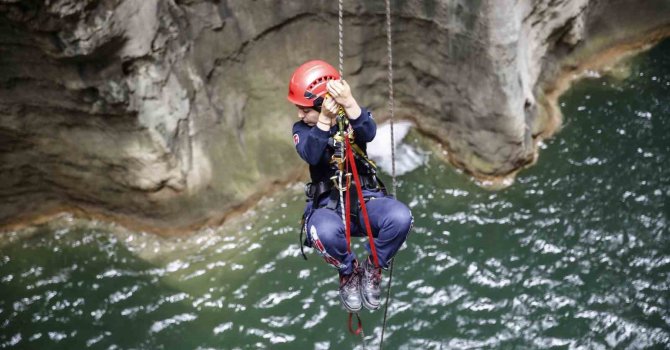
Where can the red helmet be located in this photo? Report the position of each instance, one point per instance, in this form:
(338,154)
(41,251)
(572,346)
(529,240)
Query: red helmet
(308,82)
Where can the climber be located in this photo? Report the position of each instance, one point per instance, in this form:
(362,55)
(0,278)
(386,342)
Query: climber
(317,90)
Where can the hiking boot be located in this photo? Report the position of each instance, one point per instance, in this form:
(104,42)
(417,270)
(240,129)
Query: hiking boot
(371,285)
(350,290)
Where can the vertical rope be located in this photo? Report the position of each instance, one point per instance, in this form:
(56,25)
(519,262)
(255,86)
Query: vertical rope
(339,183)
(340,39)
(389,48)
(365,347)
(341,68)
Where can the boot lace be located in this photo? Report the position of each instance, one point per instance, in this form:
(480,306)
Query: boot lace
(374,277)
(350,283)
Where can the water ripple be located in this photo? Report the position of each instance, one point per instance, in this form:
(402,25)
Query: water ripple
(175,320)
(575,254)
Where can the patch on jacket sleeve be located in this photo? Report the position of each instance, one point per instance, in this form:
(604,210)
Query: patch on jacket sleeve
(296,139)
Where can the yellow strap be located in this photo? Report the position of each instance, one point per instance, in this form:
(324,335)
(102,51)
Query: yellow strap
(360,152)
(354,146)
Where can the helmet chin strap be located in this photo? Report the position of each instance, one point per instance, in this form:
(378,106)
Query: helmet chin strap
(317,104)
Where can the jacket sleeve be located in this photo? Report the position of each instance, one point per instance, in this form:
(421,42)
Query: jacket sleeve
(364,126)
(310,142)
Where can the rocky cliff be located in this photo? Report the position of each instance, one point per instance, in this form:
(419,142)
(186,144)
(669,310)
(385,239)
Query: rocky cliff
(173,112)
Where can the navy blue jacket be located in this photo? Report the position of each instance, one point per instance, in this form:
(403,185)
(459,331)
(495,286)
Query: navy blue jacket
(312,143)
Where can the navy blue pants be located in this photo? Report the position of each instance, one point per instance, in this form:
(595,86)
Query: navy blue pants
(390,220)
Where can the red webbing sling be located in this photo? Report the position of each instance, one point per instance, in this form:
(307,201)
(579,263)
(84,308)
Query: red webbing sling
(347,208)
(359,191)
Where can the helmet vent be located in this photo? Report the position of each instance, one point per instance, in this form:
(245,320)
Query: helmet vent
(319,81)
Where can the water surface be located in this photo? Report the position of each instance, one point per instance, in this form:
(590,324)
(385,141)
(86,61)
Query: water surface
(575,254)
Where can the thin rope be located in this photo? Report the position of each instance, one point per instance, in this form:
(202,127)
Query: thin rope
(339,183)
(389,47)
(363,338)
(342,149)
(340,39)
(386,308)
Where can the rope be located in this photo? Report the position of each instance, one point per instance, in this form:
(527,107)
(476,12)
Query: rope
(363,338)
(390,81)
(340,174)
(340,45)
(364,210)
(359,329)
(393,170)
(340,39)
(341,69)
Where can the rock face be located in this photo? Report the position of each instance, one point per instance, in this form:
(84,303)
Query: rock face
(173,112)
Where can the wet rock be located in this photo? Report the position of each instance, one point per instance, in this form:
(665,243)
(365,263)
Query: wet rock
(172,112)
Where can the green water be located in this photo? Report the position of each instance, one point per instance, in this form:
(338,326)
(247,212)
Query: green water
(576,254)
